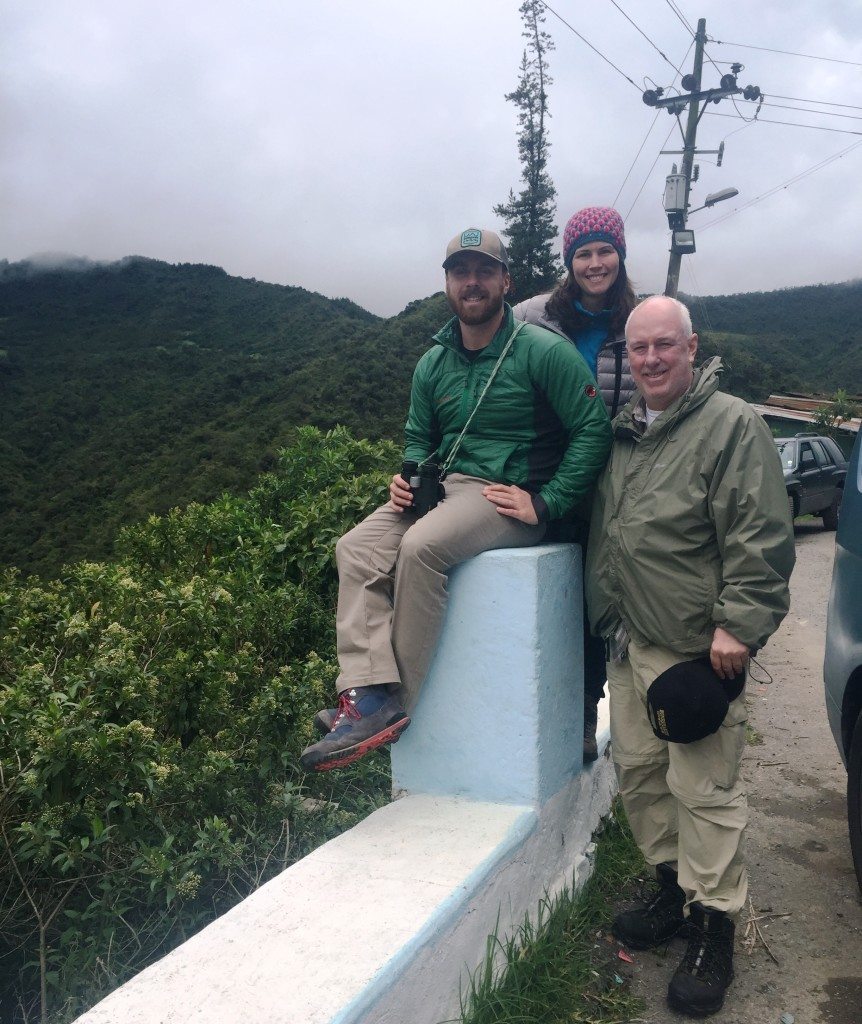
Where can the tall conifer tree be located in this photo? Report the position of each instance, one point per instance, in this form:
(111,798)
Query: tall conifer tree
(529,215)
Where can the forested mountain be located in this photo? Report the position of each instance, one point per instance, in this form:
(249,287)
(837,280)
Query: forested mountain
(796,339)
(131,388)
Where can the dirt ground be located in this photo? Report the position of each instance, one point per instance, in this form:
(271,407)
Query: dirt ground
(798,850)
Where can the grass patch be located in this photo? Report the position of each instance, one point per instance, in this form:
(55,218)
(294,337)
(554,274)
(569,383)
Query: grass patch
(558,971)
(752,737)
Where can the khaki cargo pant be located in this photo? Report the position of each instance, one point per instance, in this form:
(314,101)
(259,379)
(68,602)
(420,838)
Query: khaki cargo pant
(393,570)
(686,802)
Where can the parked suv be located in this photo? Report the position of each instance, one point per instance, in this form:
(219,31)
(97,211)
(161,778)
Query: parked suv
(814,472)
(842,668)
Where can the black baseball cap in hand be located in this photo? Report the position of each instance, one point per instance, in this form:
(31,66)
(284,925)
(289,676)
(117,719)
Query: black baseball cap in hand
(689,701)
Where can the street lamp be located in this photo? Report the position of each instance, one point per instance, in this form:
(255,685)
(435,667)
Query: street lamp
(716,197)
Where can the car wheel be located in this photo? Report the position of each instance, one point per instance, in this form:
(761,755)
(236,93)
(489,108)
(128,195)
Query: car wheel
(830,515)
(854,797)
(791,506)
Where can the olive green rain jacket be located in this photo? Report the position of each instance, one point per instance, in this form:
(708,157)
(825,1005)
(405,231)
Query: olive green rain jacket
(542,424)
(690,527)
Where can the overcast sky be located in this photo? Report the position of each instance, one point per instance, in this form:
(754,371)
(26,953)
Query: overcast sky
(339,144)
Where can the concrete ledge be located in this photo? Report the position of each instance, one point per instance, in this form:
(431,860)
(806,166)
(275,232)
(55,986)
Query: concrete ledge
(384,924)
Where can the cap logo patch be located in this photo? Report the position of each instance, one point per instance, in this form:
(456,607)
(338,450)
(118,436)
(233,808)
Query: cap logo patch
(590,391)
(470,237)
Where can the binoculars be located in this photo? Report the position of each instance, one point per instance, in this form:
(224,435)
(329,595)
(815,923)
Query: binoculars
(425,486)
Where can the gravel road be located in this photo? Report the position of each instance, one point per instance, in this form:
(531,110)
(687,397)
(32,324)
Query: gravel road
(798,850)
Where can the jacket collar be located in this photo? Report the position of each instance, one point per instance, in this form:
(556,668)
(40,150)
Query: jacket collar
(631,422)
(449,336)
(536,307)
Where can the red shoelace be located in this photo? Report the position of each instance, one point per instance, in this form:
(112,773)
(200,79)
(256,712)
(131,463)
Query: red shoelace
(346,708)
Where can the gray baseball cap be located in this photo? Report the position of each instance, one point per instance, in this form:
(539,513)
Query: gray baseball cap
(477,240)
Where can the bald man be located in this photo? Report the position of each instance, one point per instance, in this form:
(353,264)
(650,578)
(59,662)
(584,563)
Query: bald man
(691,549)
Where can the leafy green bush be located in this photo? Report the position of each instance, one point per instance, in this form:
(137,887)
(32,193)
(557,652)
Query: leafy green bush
(151,716)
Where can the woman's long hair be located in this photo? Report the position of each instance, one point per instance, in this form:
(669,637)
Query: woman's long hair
(620,299)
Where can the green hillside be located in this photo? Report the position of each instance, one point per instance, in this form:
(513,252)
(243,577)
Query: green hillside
(140,386)
(796,339)
(135,387)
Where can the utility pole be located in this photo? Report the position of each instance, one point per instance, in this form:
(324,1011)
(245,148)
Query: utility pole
(676,251)
(678,185)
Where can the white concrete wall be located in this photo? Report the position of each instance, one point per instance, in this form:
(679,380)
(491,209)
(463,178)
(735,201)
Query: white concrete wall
(383,924)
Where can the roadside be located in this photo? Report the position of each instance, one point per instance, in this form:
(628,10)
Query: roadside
(802,885)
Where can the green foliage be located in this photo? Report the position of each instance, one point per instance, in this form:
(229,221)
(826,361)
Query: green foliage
(151,716)
(829,416)
(804,340)
(108,416)
(529,215)
(135,388)
(554,971)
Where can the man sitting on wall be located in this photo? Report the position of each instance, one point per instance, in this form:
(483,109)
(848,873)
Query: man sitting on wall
(512,416)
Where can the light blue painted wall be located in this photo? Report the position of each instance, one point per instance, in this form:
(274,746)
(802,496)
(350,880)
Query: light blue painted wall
(501,714)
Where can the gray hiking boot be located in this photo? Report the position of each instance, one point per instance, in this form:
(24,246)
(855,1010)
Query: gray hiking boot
(324,720)
(367,718)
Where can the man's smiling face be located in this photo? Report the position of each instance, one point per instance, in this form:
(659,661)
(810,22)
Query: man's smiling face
(475,287)
(661,352)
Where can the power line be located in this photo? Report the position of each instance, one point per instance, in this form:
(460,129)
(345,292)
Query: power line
(742,117)
(697,296)
(673,6)
(649,132)
(646,179)
(632,165)
(808,110)
(791,124)
(822,103)
(787,53)
(680,15)
(784,185)
(652,44)
(585,40)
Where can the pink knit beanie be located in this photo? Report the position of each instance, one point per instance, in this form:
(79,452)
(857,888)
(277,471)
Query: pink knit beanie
(593,224)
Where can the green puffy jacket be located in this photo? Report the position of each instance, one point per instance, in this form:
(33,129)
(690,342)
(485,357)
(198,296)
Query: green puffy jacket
(541,426)
(690,526)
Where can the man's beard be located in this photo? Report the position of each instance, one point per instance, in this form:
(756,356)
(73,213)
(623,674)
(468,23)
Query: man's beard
(474,316)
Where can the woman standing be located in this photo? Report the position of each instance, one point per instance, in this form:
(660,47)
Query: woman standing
(590,307)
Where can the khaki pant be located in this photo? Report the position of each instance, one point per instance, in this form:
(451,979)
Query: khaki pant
(685,802)
(393,570)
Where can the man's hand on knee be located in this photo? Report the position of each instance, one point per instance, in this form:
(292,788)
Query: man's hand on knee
(400,495)
(512,501)
(728,655)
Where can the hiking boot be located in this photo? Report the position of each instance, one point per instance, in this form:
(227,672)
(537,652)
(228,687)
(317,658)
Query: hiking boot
(324,720)
(591,721)
(367,717)
(699,983)
(658,921)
